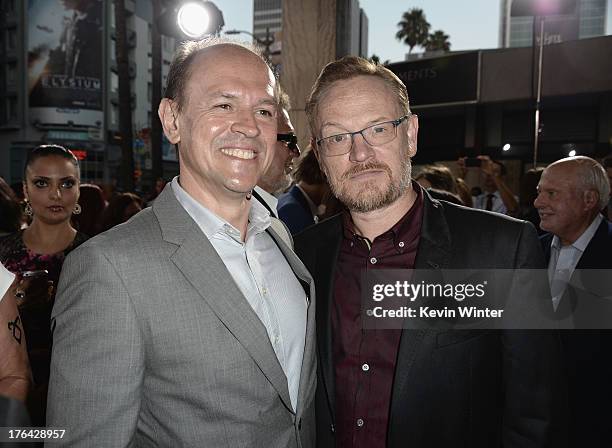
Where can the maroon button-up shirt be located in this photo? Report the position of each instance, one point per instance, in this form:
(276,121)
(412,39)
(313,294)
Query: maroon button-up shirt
(364,360)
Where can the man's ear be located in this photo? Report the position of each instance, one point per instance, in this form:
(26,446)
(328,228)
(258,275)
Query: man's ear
(169,120)
(413,131)
(591,199)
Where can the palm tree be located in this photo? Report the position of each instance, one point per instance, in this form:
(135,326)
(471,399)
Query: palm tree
(438,41)
(376,59)
(414,28)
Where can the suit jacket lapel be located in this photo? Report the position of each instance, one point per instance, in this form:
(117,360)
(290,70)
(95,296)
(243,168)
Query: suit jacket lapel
(325,263)
(203,268)
(597,251)
(433,253)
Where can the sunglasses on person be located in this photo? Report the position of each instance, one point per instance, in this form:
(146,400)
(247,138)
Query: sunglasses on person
(291,140)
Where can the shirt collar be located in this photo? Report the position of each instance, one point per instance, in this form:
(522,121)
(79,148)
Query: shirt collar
(583,240)
(313,207)
(271,200)
(210,223)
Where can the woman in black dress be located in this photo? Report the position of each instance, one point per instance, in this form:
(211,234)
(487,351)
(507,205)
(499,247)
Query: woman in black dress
(36,254)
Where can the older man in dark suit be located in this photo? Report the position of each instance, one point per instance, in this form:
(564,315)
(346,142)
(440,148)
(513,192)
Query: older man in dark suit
(571,194)
(417,388)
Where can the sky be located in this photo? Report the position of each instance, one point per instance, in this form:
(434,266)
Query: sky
(471,24)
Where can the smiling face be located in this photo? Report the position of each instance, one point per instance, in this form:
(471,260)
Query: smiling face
(52,188)
(565,210)
(227,127)
(368,177)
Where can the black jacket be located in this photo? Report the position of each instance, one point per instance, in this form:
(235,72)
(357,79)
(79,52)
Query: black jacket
(460,388)
(588,353)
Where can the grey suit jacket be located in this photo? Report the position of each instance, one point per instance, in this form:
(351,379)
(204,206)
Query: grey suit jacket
(155,345)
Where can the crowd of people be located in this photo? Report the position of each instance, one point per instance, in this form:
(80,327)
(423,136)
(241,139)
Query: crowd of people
(226,310)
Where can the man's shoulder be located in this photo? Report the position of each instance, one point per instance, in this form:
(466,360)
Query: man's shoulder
(461,214)
(322,233)
(290,196)
(325,227)
(607,230)
(139,231)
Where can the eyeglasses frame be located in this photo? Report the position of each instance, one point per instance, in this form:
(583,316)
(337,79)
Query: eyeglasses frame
(395,124)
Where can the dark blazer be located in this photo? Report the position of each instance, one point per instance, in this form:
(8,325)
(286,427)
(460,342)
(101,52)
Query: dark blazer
(461,388)
(588,354)
(294,211)
(597,254)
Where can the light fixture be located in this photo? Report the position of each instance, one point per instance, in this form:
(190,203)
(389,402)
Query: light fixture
(506,147)
(193,19)
(572,153)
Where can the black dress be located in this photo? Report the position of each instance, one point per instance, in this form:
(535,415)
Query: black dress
(35,310)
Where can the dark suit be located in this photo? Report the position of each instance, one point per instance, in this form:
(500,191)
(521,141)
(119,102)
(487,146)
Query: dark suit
(464,388)
(589,353)
(294,210)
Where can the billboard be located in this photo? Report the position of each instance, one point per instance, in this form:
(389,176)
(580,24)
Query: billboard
(447,79)
(65,61)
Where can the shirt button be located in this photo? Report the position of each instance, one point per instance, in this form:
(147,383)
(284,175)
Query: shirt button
(359,422)
(264,291)
(401,244)
(365,367)
(373,260)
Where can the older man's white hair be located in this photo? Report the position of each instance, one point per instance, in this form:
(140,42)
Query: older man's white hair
(591,176)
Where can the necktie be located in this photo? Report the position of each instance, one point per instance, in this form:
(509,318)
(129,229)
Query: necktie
(489,205)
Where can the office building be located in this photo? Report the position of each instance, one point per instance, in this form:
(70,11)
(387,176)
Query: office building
(60,83)
(589,21)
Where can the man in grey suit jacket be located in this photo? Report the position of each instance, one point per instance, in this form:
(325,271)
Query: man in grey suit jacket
(192,324)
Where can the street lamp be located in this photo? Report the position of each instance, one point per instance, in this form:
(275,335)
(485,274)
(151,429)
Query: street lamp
(540,9)
(191,20)
(266,42)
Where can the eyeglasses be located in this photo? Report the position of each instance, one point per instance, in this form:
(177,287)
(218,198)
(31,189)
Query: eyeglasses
(375,135)
(291,140)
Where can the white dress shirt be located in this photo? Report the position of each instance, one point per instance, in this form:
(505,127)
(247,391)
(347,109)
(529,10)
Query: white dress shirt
(264,277)
(271,200)
(480,202)
(563,260)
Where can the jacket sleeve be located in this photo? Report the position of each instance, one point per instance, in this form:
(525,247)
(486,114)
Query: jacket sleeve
(98,355)
(536,389)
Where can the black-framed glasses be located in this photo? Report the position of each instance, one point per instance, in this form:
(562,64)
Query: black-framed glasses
(374,135)
(291,140)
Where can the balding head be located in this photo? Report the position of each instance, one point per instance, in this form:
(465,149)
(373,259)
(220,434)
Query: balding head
(180,69)
(587,174)
(571,193)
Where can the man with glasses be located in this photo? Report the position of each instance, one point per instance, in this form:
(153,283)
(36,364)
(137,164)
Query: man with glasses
(401,387)
(277,178)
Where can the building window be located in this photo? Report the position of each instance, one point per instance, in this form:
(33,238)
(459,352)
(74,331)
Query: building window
(11,108)
(113,113)
(9,6)
(114,82)
(11,74)
(11,39)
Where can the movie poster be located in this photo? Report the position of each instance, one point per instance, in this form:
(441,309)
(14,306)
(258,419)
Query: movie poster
(65,61)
